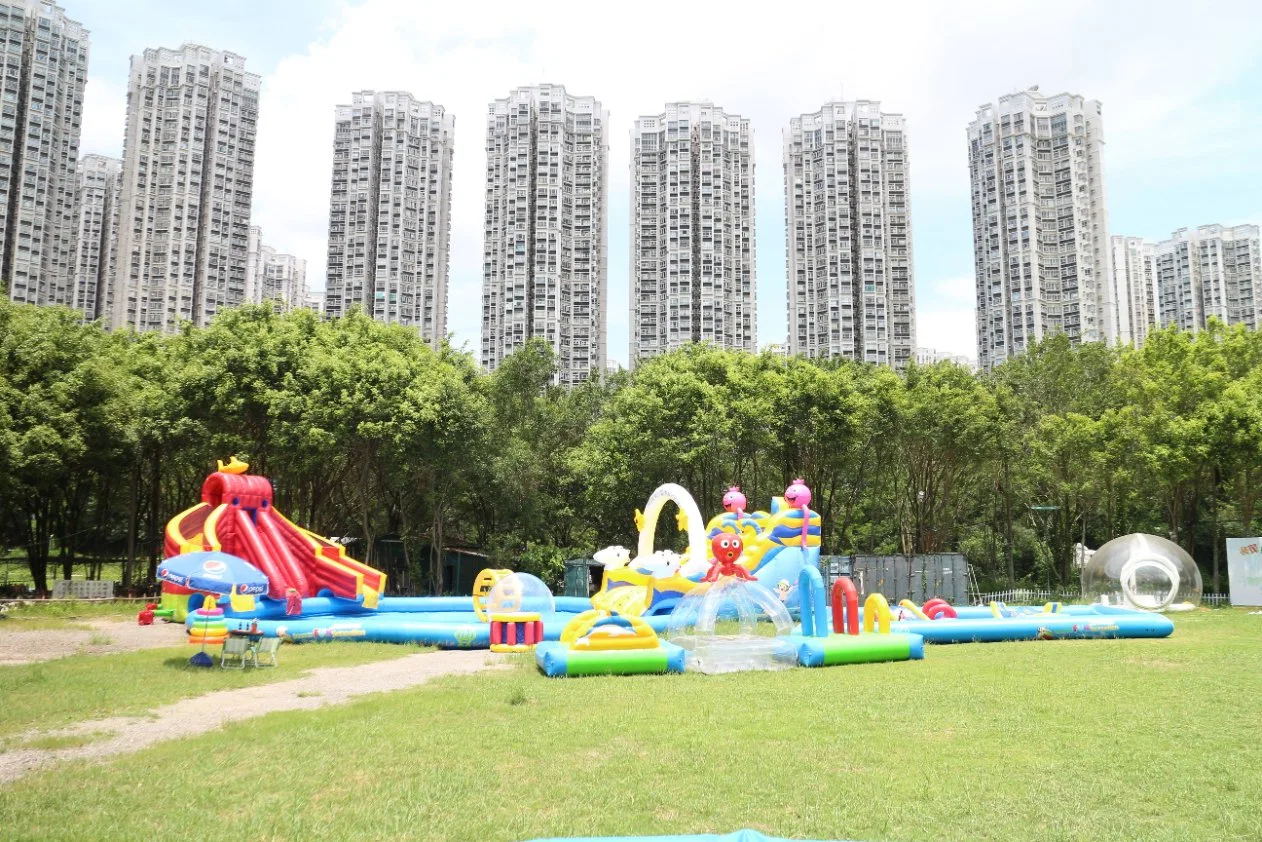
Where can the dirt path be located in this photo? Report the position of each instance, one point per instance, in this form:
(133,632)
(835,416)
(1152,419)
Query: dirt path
(320,687)
(101,637)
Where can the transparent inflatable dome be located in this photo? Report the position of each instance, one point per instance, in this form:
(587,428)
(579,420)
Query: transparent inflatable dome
(732,625)
(518,592)
(1145,572)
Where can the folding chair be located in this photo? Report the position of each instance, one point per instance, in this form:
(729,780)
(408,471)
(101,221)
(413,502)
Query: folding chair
(265,651)
(236,649)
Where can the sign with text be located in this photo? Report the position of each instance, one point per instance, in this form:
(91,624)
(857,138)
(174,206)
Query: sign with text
(1244,570)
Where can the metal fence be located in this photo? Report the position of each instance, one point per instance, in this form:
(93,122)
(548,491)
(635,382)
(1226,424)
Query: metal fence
(1025,596)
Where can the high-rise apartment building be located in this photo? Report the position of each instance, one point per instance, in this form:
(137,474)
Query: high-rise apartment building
(692,230)
(1132,290)
(848,235)
(98,182)
(272,277)
(545,246)
(1210,271)
(932,356)
(188,179)
(44,63)
(254,258)
(1040,229)
(315,301)
(285,281)
(390,211)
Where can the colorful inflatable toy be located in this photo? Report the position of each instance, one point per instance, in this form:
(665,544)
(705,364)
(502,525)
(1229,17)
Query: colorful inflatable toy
(598,643)
(513,607)
(773,556)
(236,516)
(816,647)
(207,626)
(777,545)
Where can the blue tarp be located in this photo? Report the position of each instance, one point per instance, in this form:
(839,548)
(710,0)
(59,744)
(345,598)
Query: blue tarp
(738,836)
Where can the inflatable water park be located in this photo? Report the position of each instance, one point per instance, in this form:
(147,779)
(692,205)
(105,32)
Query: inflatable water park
(745,594)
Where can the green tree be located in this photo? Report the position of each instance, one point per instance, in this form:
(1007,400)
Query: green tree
(60,397)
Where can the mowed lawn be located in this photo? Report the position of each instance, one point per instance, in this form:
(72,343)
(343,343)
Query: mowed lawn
(1064,740)
(53,694)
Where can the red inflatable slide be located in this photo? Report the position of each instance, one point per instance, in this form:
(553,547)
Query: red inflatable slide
(236,516)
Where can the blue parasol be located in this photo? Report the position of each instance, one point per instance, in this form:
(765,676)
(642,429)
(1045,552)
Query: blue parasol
(213,572)
(216,573)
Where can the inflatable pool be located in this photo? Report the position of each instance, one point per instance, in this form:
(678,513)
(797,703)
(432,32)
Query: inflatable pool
(978,624)
(451,623)
(446,622)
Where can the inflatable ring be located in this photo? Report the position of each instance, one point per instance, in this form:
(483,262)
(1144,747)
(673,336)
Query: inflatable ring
(938,609)
(911,606)
(482,585)
(698,547)
(876,613)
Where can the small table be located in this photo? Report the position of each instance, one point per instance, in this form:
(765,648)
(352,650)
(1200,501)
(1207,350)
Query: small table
(254,637)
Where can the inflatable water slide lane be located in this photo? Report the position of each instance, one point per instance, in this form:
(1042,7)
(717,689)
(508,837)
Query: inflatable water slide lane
(980,624)
(236,516)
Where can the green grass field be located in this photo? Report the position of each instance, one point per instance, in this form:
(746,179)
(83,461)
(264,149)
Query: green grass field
(1066,740)
(66,613)
(53,694)
(14,570)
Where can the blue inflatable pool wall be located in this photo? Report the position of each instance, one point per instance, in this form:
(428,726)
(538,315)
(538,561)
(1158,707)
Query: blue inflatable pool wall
(450,622)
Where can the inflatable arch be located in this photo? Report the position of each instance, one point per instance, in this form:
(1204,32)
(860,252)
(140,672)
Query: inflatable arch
(677,494)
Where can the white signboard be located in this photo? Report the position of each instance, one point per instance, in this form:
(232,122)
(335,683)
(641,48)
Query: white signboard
(1244,570)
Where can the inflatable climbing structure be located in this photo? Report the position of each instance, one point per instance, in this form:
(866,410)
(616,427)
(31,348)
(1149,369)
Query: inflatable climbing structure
(777,545)
(236,516)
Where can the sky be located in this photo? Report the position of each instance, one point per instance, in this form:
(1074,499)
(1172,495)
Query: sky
(1181,94)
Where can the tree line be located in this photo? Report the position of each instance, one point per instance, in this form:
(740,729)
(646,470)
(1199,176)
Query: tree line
(366,431)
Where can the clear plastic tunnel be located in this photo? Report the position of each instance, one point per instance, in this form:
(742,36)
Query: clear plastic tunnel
(732,625)
(1145,572)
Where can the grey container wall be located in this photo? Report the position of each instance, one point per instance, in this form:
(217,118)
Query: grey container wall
(898,577)
(917,578)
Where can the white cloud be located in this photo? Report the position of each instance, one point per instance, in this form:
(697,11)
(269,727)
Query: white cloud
(935,62)
(946,315)
(104,117)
